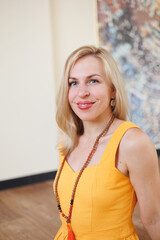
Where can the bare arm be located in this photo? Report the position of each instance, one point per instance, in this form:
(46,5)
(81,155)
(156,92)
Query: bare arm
(141,160)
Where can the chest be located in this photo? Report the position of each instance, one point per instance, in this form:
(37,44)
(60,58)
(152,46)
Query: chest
(80,154)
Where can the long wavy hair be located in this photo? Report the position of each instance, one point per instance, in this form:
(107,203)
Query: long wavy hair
(70,124)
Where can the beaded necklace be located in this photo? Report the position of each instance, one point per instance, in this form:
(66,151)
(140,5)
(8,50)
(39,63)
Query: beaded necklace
(94,148)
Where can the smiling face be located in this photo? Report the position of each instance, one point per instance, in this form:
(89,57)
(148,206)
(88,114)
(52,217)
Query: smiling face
(89,90)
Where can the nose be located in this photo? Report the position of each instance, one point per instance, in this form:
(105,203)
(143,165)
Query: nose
(83,91)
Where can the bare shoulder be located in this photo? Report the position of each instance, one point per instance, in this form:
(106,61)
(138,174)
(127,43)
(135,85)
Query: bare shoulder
(137,147)
(135,139)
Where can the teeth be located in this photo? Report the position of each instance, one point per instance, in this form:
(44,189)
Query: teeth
(83,105)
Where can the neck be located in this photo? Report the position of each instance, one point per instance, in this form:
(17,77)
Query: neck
(95,128)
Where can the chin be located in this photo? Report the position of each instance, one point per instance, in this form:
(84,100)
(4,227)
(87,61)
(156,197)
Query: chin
(88,118)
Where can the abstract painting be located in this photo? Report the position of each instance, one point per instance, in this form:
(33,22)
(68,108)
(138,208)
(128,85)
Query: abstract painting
(130,31)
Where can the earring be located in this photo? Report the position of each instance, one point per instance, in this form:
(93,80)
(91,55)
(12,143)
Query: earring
(113,103)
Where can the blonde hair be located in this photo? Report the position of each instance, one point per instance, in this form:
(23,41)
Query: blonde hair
(67,120)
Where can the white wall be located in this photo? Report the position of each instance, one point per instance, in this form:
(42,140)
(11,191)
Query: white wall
(75,24)
(27,128)
(36,37)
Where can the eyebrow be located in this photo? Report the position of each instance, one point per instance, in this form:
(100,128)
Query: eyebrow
(92,75)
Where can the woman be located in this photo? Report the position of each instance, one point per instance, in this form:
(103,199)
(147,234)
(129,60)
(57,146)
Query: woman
(106,162)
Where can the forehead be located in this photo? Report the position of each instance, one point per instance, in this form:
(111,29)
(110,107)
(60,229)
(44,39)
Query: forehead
(86,66)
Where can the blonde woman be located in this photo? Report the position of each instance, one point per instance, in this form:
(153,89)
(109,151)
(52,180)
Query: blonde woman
(107,163)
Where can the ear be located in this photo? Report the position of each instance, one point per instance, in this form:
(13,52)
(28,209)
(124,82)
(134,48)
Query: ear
(113,92)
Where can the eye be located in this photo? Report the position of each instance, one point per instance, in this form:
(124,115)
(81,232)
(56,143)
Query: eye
(93,81)
(73,83)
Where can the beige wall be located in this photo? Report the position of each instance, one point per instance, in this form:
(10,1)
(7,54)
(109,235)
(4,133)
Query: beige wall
(74,25)
(36,37)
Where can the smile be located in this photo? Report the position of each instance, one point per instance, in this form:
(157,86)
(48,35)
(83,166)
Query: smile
(85,105)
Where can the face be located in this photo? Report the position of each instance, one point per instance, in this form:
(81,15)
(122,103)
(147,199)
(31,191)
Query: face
(89,90)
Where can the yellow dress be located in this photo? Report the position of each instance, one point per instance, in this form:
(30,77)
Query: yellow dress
(104,199)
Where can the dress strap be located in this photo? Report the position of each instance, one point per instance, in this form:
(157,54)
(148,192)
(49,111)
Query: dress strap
(114,142)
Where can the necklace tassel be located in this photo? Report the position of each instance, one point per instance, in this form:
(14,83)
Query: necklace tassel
(70,233)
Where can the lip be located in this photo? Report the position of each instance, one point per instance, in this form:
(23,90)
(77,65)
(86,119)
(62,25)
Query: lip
(84,105)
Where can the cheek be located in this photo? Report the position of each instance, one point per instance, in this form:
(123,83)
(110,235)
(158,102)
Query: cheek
(103,94)
(71,96)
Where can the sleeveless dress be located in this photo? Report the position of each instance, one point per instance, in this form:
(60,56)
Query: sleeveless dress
(104,199)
